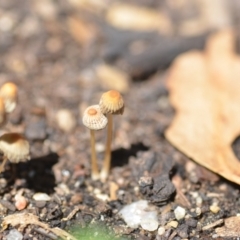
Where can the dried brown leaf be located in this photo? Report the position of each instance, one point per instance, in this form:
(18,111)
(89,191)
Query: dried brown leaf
(204,89)
(231,228)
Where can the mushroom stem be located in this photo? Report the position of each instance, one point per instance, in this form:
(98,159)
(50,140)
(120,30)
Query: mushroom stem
(95,171)
(107,158)
(3,164)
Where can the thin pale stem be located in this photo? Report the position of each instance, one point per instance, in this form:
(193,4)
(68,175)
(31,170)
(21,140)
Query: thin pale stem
(107,158)
(94,166)
(3,164)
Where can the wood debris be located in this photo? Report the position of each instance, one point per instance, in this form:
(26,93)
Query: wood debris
(24,219)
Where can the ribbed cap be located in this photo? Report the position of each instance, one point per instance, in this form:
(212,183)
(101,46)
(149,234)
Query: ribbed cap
(93,118)
(9,93)
(111,102)
(15,147)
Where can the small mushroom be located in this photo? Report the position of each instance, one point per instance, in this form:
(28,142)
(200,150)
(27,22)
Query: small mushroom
(94,120)
(111,103)
(2,112)
(9,93)
(15,148)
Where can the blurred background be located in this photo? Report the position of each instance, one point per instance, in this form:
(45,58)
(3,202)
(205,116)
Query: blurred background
(102,43)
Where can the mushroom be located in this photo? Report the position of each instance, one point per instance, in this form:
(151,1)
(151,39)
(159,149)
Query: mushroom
(8,92)
(111,103)
(15,148)
(2,112)
(94,120)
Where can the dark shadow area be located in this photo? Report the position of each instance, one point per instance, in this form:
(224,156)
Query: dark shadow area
(38,173)
(120,157)
(236,147)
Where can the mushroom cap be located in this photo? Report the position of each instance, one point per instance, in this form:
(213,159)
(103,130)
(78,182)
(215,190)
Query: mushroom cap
(15,147)
(111,102)
(9,93)
(2,112)
(93,118)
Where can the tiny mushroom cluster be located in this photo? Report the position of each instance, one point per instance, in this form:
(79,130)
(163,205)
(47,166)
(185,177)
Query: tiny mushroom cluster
(97,117)
(13,146)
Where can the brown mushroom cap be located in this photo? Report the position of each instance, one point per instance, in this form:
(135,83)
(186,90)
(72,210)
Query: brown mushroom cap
(93,118)
(2,112)
(15,147)
(8,92)
(111,102)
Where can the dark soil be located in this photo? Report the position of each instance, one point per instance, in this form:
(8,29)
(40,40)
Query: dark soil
(54,71)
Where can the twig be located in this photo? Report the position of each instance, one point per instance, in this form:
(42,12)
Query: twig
(212,225)
(73,212)
(45,233)
(174,233)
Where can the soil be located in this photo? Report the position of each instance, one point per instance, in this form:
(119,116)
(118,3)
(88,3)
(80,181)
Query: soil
(53,71)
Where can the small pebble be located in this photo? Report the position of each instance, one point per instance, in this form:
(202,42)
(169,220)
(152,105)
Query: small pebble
(8,205)
(46,9)
(3,183)
(214,208)
(76,198)
(198,211)
(191,222)
(199,201)
(179,213)
(40,204)
(65,120)
(6,22)
(173,224)
(103,197)
(36,130)
(183,231)
(100,147)
(21,202)
(14,234)
(149,224)
(41,197)
(106,73)
(161,230)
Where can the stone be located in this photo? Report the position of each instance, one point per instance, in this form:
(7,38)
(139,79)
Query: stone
(14,234)
(161,230)
(173,224)
(139,213)
(36,129)
(214,208)
(179,213)
(111,77)
(66,120)
(41,197)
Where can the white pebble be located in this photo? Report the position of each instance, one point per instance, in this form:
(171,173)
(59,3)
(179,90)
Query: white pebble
(139,213)
(41,197)
(198,211)
(100,147)
(161,231)
(14,234)
(103,197)
(179,213)
(65,120)
(199,201)
(149,224)
(173,224)
(214,208)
